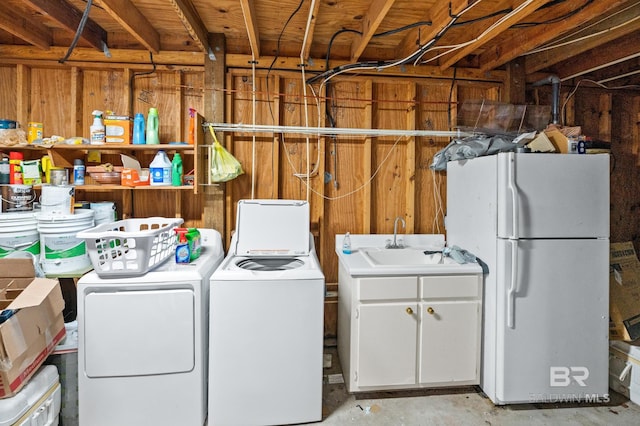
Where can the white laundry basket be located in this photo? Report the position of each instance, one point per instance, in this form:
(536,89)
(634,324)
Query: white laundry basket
(130,247)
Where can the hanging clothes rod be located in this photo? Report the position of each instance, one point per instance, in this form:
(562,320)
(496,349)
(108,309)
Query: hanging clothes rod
(330,131)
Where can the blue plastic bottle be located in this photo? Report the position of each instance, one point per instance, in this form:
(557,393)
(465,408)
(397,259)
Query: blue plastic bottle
(138,129)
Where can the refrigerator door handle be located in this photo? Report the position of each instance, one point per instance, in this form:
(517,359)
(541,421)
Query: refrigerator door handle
(511,291)
(513,189)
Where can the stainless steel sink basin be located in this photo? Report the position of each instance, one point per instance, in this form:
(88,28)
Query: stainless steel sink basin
(401,257)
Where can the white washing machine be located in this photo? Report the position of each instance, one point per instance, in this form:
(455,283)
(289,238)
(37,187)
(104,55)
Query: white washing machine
(266,330)
(142,343)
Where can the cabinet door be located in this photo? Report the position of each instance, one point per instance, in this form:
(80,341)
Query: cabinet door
(387,342)
(450,342)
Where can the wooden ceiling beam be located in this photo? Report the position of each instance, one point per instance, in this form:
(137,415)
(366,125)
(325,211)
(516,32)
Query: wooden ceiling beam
(37,35)
(313,14)
(492,32)
(374,16)
(440,16)
(523,40)
(251,23)
(132,20)
(605,55)
(69,18)
(193,24)
(616,26)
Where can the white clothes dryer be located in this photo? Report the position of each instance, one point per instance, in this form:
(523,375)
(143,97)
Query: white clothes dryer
(142,343)
(267,319)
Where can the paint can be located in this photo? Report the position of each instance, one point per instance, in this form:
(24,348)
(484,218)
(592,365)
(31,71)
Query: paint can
(57,199)
(61,251)
(58,176)
(17,198)
(105,212)
(18,232)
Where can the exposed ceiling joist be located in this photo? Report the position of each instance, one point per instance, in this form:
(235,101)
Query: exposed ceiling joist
(130,17)
(374,16)
(192,22)
(69,18)
(590,37)
(492,32)
(250,22)
(606,55)
(521,41)
(311,25)
(36,35)
(440,17)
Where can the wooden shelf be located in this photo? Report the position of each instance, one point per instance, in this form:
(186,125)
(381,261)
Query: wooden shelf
(107,187)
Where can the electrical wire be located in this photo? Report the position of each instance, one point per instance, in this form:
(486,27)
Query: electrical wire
(139,74)
(373,175)
(597,83)
(569,40)
(79,30)
(553,20)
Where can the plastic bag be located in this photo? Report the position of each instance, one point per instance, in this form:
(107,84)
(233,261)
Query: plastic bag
(224,166)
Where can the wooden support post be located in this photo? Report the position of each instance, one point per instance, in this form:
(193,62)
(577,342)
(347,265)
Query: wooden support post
(411,161)
(214,77)
(23,101)
(515,82)
(75,109)
(367,158)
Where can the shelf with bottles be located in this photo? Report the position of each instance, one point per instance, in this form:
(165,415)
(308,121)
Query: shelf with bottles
(63,155)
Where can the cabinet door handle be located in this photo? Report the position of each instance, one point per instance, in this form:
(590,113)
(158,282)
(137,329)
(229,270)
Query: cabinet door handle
(430,310)
(409,311)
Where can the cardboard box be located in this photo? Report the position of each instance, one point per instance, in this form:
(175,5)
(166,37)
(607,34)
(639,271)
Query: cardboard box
(118,129)
(624,292)
(34,322)
(624,369)
(131,177)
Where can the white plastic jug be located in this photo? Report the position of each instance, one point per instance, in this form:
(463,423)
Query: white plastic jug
(160,169)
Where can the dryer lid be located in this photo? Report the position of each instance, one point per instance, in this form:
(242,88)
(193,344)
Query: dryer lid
(272,228)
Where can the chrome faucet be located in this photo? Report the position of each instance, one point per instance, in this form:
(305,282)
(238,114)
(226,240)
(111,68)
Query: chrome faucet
(395,245)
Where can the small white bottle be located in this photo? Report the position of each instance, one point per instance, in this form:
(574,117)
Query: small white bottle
(97,129)
(346,244)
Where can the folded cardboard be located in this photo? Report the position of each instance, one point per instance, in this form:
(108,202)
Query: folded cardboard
(132,173)
(34,322)
(624,292)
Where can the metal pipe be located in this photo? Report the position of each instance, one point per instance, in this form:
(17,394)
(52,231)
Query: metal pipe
(554,80)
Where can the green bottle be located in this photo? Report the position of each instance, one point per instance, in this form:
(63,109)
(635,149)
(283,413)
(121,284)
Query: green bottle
(176,170)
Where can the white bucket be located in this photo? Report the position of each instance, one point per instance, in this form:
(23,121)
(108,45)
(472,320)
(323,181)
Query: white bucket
(61,251)
(57,199)
(18,232)
(105,212)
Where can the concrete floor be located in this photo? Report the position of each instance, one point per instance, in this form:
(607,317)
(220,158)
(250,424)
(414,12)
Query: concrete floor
(458,406)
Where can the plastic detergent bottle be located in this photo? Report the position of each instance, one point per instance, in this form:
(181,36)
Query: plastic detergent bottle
(160,169)
(176,170)
(152,127)
(97,128)
(346,244)
(138,129)
(183,253)
(15,167)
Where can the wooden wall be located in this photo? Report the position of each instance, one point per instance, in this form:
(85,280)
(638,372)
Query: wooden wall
(62,98)
(358,184)
(614,116)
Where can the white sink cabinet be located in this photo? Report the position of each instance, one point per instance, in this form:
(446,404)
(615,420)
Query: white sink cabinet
(406,332)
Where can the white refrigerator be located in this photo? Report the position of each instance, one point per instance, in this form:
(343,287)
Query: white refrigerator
(540,225)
